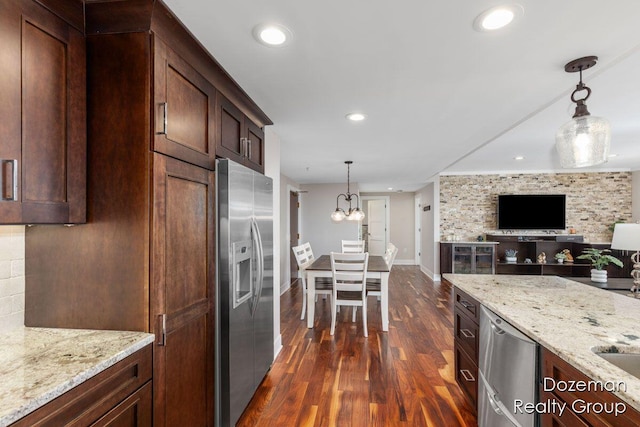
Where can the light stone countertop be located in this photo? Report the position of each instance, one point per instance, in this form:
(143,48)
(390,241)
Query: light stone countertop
(566,317)
(39,364)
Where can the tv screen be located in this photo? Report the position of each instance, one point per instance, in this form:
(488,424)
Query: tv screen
(531,212)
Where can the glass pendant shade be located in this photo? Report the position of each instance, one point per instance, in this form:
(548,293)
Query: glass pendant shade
(583,141)
(337,215)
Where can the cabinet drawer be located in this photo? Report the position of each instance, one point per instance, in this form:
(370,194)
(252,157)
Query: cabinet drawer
(567,419)
(466,374)
(556,369)
(467,304)
(466,333)
(91,400)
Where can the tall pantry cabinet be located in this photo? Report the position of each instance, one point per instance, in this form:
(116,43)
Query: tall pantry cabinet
(145,260)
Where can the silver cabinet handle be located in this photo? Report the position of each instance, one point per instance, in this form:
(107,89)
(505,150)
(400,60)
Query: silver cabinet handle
(5,196)
(164,118)
(163,330)
(466,304)
(468,376)
(467,333)
(248,148)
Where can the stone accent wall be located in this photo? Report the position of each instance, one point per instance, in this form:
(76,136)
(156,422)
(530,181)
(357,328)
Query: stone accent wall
(468,203)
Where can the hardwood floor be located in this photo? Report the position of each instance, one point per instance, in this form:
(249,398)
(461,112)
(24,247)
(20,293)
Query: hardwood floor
(404,377)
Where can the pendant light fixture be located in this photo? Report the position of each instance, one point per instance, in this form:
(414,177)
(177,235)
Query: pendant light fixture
(584,140)
(353,214)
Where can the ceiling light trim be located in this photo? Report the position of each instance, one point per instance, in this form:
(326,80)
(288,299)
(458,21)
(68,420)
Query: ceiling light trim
(486,21)
(286,34)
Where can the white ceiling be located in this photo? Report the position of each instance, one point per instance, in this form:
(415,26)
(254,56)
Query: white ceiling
(440,96)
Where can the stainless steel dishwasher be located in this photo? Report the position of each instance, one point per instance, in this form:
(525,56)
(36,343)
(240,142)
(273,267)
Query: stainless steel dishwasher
(508,362)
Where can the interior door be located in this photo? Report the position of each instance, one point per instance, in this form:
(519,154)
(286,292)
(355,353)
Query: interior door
(183,292)
(377,227)
(293,229)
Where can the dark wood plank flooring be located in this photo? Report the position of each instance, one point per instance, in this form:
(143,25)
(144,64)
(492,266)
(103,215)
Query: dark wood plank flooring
(404,377)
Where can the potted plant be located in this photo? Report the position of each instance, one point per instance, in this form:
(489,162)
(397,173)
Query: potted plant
(510,255)
(560,257)
(599,259)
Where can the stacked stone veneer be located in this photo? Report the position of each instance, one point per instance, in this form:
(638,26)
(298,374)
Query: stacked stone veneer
(468,203)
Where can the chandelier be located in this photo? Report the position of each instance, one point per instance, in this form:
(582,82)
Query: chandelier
(585,139)
(353,213)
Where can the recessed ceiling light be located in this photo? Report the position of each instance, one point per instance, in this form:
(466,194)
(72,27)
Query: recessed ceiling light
(519,158)
(390,188)
(613,155)
(497,17)
(356,117)
(273,35)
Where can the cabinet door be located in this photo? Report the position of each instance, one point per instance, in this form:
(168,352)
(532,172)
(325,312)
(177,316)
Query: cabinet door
(184,109)
(255,146)
(43,110)
(239,139)
(183,292)
(231,140)
(134,411)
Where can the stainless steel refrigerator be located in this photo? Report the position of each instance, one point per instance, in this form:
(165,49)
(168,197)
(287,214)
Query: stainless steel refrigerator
(244,291)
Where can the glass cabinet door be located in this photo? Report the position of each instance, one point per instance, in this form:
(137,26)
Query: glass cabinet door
(484,259)
(462,259)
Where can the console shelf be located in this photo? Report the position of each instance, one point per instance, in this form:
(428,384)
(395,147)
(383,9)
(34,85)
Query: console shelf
(531,246)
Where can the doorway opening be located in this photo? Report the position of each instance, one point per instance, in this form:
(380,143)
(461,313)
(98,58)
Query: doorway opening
(375,228)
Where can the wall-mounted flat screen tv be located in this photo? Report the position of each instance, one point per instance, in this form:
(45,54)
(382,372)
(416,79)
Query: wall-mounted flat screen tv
(531,211)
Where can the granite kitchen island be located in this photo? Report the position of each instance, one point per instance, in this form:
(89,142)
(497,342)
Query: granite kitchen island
(568,318)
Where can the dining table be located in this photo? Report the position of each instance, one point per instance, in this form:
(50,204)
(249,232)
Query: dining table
(377,268)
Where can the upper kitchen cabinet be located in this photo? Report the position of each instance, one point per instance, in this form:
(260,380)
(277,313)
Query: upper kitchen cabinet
(43,110)
(198,112)
(239,138)
(184,109)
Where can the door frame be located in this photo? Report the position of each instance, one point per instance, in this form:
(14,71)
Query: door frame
(418,231)
(387,215)
(286,282)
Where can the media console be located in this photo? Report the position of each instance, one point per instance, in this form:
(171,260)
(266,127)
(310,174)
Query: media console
(530,246)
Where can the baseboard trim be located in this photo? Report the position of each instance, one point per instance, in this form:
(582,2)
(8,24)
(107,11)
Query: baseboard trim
(284,287)
(277,346)
(430,274)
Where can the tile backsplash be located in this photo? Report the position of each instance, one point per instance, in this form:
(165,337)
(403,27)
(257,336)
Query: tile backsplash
(12,277)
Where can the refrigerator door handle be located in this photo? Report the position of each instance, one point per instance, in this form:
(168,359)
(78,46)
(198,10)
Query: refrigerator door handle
(255,234)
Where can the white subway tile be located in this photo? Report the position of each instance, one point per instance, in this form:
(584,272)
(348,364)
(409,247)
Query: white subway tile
(6,304)
(5,269)
(17,303)
(11,321)
(17,268)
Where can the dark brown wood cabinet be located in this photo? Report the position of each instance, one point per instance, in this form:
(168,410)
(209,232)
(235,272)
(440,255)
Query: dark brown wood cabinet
(145,260)
(43,110)
(118,396)
(558,370)
(466,327)
(185,105)
(239,138)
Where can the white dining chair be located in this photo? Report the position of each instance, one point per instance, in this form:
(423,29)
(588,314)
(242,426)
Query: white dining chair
(374,286)
(352,246)
(349,284)
(304,258)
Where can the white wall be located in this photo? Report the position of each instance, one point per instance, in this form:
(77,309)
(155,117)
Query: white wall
(402,224)
(11,277)
(430,258)
(272,170)
(317,228)
(635,195)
